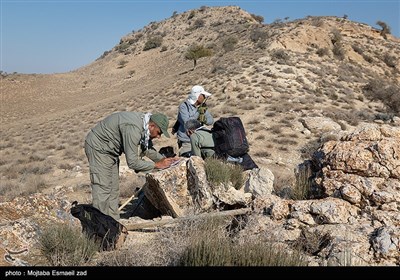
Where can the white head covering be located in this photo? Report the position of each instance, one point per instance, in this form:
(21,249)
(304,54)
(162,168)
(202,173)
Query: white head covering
(144,141)
(195,93)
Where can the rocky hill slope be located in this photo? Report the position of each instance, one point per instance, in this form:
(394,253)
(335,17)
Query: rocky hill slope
(294,84)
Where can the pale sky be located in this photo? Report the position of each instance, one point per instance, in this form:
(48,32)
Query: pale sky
(55,36)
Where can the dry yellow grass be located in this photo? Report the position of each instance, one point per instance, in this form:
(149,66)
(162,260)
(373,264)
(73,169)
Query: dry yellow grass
(45,118)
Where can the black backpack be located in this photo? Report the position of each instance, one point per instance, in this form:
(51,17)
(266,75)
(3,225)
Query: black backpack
(167,151)
(229,137)
(103,228)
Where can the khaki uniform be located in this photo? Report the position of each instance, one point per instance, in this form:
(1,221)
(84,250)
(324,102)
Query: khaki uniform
(202,143)
(121,132)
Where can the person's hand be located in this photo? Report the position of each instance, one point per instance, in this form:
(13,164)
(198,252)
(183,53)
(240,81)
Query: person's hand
(202,110)
(165,162)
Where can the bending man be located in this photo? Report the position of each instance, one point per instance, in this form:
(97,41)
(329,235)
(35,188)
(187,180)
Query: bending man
(123,132)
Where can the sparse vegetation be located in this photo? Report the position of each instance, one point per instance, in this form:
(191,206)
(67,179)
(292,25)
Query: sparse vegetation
(258,35)
(302,187)
(219,172)
(390,60)
(339,51)
(258,18)
(206,242)
(196,52)
(122,63)
(387,93)
(280,55)
(229,43)
(198,23)
(206,251)
(323,51)
(385,28)
(153,42)
(63,245)
(44,127)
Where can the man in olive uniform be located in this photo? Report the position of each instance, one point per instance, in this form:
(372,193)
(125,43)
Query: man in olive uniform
(203,145)
(123,132)
(201,140)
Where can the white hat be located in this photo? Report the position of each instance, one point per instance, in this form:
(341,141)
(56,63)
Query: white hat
(195,93)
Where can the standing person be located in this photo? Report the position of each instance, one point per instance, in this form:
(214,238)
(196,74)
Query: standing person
(194,107)
(123,132)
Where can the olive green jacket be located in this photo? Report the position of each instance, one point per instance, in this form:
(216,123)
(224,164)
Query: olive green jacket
(202,143)
(123,132)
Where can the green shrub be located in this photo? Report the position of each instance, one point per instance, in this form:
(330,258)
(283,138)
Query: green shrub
(63,245)
(195,52)
(153,42)
(219,172)
(123,46)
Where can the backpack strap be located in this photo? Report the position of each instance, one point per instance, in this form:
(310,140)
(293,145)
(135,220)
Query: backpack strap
(202,128)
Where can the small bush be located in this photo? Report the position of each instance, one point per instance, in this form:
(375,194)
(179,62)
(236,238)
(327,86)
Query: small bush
(280,55)
(153,42)
(357,49)
(196,52)
(339,51)
(387,93)
(308,150)
(322,51)
(218,172)
(63,245)
(229,43)
(198,23)
(312,242)
(191,15)
(122,63)
(389,60)
(302,187)
(123,47)
(385,28)
(259,19)
(336,36)
(257,35)
(317,22)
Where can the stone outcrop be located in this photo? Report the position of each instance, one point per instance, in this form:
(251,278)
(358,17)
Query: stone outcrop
(23,219)
(356,220)
(363,168)
(184,189)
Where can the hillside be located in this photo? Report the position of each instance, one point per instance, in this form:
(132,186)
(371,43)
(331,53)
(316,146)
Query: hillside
(292,83)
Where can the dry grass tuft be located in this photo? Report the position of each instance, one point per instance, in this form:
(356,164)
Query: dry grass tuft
(63,245)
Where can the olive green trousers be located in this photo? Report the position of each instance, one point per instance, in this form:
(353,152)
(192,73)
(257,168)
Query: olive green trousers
(104,178)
